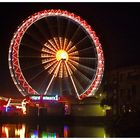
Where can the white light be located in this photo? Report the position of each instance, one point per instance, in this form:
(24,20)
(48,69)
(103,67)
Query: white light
(35,97)
(50,97)
(100,61)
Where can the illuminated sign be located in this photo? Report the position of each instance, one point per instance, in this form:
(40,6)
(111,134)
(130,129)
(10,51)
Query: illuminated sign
(50,97)
(45,97)
(35,97)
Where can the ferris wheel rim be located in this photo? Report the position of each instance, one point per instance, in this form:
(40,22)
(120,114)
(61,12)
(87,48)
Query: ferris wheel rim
(14,64)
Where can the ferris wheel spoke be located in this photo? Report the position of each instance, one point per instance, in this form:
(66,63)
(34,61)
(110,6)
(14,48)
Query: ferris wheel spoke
(87,68)
(80,74)
(52,34)
(85,49)
(79,42)
(65,43)
(54,75)
(78,84)
(72,67)
(50,47)
(76,81)
(49,56)
(49,44)
(52,43)
(29,56)
(34,38)
(60,73)
(46,50)
(51,64)
(44,61)
(70,74)
(65,71)
(29,46)
(83,58)
(82,66)
(69,85)
(61,41)
(74,58)
(73,36)
(59,34)
(83,76)
(58,25)
(60,85)
(42,83)
(57,40)
(69,45)
(36,75)
(66,32)
(80,51)
(72,49)
(53,67)
(37,65)
(41,30)
(32,66)
(49,85)
(75,53)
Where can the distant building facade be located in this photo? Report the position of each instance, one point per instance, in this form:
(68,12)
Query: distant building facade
(123,90)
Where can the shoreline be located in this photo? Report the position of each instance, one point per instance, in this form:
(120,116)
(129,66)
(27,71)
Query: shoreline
(72,120)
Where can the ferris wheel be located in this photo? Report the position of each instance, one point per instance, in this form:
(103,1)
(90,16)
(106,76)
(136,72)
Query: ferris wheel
(55,52)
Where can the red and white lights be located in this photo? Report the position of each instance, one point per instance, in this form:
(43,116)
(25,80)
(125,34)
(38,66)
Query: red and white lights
(14,65)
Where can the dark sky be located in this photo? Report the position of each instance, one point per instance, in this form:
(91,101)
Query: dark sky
(116,24)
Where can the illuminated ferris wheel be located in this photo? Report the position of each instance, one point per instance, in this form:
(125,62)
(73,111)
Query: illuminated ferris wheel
(54,52)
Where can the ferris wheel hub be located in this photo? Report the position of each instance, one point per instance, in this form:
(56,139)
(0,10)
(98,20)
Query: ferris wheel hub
(61,55)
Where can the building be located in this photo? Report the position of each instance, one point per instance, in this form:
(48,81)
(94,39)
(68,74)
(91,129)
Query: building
(123,88)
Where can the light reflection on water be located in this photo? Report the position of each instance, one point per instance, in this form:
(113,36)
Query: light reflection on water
(50,131)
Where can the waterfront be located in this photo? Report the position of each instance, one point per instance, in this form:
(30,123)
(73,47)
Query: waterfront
(71,127)
(24,130)
(85,121)
(55,59)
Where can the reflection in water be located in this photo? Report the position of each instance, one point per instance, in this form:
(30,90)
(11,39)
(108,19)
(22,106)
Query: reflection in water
(50,131)
(89,131)
(66,131)
(13,131)
(20,131)
(30,131)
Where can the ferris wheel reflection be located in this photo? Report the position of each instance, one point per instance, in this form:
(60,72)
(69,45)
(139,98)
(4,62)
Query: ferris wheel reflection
(33,131)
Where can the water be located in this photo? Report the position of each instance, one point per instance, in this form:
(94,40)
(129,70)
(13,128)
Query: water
(51,131)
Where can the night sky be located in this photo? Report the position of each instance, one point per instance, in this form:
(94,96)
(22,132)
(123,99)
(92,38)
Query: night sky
(116,24)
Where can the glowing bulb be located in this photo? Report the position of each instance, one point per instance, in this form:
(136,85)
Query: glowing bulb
(61,55)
